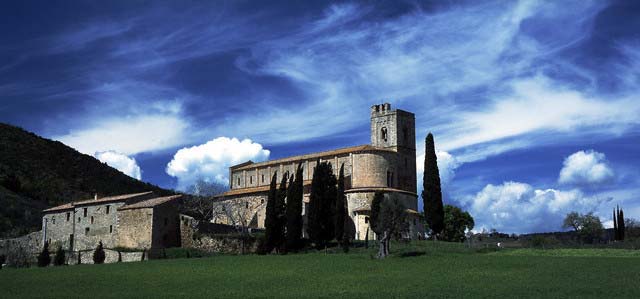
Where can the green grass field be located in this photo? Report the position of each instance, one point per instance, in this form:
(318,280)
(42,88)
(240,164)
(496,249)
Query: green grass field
(424,269)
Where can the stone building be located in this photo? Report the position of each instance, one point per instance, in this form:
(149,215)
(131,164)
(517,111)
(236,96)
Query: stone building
(386,165)
(81,225)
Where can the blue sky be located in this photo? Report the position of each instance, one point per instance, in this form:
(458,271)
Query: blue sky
(534,105)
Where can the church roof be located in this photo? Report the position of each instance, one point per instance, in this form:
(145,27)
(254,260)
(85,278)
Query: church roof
(340,151)
(93,201)
(250,190)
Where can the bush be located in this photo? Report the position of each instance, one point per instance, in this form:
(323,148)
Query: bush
(44,259)
(59,258)
(3,258)
(98,254)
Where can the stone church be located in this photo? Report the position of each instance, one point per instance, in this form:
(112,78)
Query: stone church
(386,165)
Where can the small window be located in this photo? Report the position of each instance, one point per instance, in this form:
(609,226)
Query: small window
(79,219)
(53,220)
(246,204)
(262,200)
(91,219)
(366,219)
(107,210)
(389,179)
(49,240)
(263,178)
(238,182)
(68,216)
(251,180)
(85,212)
(86,230)
(110,228)
(384,134)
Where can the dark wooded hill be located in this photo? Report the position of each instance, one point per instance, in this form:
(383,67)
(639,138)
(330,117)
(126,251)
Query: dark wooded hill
(36,173)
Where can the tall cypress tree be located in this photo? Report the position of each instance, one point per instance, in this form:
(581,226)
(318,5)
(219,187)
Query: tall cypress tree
(341,207)
(621,225)
(322,205)
(294,210)
(616,236)
(280,209)
(270,221)
(431,193)
(378,197)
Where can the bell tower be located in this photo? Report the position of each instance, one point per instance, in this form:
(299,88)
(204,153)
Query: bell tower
(393,129)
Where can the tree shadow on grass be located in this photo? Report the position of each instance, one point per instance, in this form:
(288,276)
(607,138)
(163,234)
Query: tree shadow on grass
(412,254)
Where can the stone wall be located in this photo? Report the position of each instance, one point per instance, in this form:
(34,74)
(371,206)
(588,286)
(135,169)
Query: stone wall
(166,226)
(225,244)
(111,256)
(248,209)
(135,227)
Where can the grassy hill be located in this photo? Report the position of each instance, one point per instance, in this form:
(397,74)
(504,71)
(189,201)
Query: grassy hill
(36,173)
(423,269)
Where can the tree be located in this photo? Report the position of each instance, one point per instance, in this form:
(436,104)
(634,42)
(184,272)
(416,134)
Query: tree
(456,223)
(341,209)
(621,225)
(98,254)
(294,210)
(588,226)
(205,188)
(572,220)
(322,205)
(200,208)
(280,209)
(616,235)
(432,193)
(271,217)
(44,258)
(58,260)
(390,222)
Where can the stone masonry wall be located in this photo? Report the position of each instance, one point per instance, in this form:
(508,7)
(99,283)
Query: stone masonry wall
(135,227)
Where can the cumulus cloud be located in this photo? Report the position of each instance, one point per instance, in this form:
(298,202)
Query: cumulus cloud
(128,135)
(516,207)
(121,162)
(585,168)
(211,161)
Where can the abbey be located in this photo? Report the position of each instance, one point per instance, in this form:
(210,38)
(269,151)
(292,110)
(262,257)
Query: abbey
(386,165)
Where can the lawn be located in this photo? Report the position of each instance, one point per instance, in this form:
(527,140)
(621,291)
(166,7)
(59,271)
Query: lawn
(422,269)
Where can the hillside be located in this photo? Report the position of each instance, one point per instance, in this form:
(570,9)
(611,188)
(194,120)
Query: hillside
(36,173)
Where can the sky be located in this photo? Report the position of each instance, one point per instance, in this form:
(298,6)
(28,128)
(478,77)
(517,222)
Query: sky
(534,105)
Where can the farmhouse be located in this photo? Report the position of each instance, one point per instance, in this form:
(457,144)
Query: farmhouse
(386,165)
(140,220)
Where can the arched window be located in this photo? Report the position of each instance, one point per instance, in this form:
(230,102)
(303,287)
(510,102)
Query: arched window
(238,182)
(389,179)
(383,133)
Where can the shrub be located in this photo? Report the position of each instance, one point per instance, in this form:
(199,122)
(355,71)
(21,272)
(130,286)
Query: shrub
(98,254)
(59,258)
(44,259)
(3,258)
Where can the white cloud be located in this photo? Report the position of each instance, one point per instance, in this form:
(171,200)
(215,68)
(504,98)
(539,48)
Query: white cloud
(585,168)
(121,162)
(128,135)
(211,161)
(515,207)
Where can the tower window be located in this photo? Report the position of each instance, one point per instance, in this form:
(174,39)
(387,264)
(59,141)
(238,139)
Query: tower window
(384,134)
(251,180)
(110,228)
(107,210)
(68,216)
(85,212)
(263,178)
(238,182)
(246,204)
(91,219)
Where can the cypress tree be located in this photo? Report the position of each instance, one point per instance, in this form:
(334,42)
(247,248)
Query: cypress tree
(294,210)
(621,225)
(375,211)
(322,205)
(270,221)
(44,258)
(58,260)
(98,254)
(280,210)
(616,236)
(341,207)
(431,193)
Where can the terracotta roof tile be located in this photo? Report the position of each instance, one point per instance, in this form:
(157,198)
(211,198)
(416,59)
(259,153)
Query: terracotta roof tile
(101,200)
(340,151)
(150,203)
